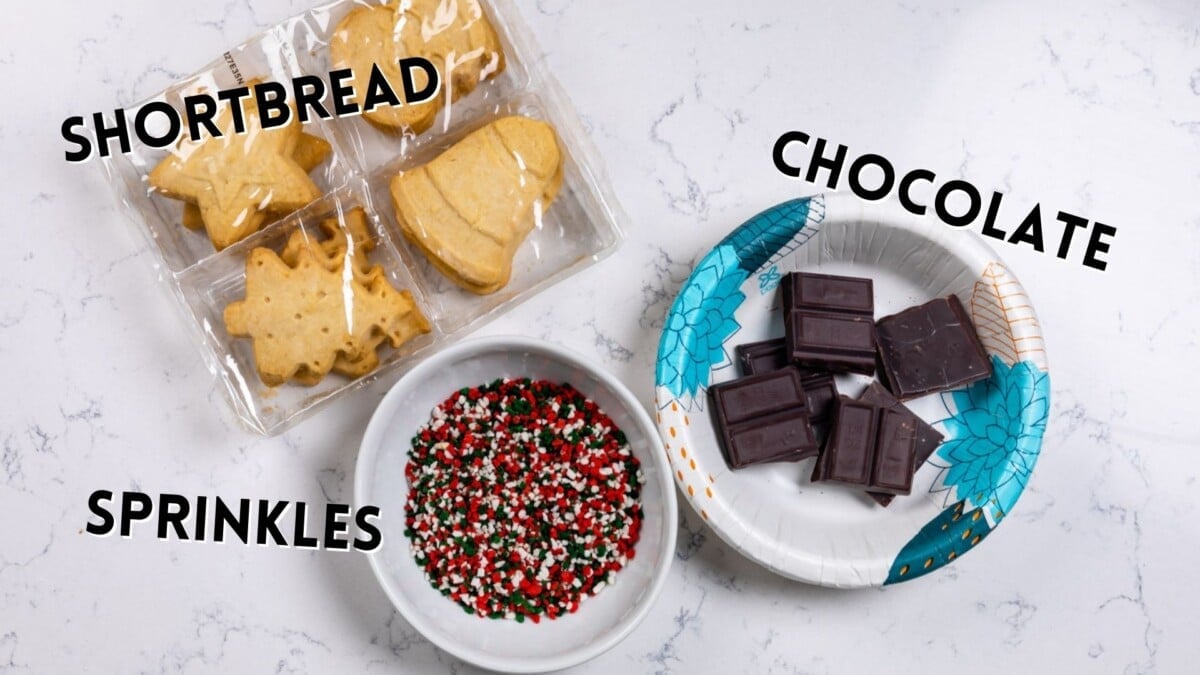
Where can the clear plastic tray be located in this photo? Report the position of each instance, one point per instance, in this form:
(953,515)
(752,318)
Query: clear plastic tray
(580,227)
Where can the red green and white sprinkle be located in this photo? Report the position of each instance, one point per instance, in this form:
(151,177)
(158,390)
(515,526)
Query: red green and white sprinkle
(523,499)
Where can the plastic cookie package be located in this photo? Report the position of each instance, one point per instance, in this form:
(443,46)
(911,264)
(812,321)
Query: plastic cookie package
(315,256)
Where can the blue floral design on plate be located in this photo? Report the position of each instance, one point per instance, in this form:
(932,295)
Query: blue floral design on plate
(769,280)
(766,235)
(701,319)
(699,323)
(994,436)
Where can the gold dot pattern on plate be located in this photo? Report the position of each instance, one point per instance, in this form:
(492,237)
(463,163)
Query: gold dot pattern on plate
(673,418)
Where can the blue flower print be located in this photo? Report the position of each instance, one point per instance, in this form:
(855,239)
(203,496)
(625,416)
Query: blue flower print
(770,235)
(699,323)
(995,435)
(769,280)
(701,319)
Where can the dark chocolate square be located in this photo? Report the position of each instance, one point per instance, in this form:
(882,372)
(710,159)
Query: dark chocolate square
(762,418)
(785,436)
(837,343)
(931,348)
(820,390)
(829,293)
(769,355)
(847,455)
(869,447)
(829,322)
(928,438)
(892,465)
(763,357)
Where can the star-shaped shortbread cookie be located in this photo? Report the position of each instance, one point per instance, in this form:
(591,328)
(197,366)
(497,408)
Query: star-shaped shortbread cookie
(236,178)
(311,152)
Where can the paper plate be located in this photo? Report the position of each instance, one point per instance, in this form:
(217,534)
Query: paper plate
(831,535)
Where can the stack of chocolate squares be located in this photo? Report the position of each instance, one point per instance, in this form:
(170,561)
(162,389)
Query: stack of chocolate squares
(787,395)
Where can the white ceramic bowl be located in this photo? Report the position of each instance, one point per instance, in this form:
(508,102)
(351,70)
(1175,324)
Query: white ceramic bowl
(601,621)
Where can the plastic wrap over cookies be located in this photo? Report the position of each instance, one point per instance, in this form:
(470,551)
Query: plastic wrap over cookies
(456,37)
(311,151)
(470,208)
(232,181)
(278,189)
(308,316)
(347,243)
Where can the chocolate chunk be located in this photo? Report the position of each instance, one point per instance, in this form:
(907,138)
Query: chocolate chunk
(769,355)
(821,392)
(762,418)
(895,451)
(829,322)
(829,293)
(836,343)
(931,348)
(763,357)
(928,438)
(780,437)
(869,446)
(846,457)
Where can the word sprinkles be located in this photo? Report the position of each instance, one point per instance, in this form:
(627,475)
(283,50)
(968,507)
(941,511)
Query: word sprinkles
(259,522)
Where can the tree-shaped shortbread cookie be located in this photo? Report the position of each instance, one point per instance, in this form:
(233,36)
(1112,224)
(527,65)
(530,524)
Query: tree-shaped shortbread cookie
(333,254)
(303,319)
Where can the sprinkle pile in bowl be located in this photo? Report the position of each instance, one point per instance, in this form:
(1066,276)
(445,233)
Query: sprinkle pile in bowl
(524,499)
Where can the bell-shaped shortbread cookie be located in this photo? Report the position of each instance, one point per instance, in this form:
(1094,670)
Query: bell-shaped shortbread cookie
(471,207)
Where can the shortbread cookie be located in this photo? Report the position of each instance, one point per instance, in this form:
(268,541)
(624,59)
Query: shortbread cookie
(454,35)
(332,247)
(311,152)
(301,325)
(470,208)
(235,179)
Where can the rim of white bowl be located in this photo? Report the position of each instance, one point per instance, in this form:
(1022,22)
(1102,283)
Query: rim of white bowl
(370,447)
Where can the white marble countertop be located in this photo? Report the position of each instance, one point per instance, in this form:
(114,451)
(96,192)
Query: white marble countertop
(1091,107)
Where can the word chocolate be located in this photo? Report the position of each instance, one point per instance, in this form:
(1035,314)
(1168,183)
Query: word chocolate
(1028,230)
